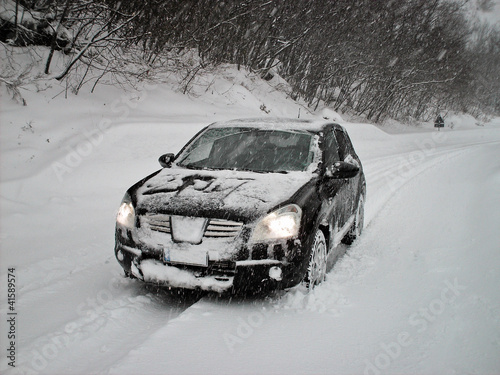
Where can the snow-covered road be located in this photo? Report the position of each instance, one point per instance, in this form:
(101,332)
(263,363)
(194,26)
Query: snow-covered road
(418,292)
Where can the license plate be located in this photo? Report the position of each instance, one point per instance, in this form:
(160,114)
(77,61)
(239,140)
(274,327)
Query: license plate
(193,258)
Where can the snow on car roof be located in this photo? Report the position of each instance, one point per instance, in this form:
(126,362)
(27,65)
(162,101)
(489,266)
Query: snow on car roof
(274,123)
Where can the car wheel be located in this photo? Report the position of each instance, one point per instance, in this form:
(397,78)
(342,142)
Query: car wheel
(316,270)
(357,226)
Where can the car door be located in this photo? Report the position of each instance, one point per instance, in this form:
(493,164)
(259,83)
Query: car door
(347,153)
(334,192)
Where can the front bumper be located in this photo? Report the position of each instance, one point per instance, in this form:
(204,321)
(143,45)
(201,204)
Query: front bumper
(245,276)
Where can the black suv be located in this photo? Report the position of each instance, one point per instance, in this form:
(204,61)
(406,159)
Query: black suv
(246,205)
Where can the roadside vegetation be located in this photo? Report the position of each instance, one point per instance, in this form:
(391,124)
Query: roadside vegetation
(404,59)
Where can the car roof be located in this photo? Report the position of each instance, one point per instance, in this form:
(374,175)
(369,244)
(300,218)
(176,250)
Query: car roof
(276,123)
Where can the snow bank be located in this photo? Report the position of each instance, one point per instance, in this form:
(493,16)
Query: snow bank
(461,121)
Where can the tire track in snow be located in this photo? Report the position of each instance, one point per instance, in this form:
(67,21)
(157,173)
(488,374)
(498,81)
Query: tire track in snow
(103,329)
(80,305)
(386,175)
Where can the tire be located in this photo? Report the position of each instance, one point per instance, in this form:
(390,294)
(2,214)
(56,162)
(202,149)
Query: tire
(316,270)
(357,226)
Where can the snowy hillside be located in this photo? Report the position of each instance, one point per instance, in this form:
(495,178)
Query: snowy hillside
(417,293)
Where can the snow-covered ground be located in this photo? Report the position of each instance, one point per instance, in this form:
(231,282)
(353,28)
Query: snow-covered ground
(417,293)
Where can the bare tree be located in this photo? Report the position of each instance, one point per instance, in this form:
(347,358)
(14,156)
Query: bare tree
(373,58)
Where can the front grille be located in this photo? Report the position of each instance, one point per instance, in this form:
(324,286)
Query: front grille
(157,222)
(216,228)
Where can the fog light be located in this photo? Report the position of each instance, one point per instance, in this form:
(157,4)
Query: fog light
(275,273)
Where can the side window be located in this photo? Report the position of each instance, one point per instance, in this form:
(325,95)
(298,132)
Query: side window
(345,147)
(331,148)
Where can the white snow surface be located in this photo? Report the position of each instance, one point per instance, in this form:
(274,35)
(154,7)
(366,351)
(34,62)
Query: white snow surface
(416,293)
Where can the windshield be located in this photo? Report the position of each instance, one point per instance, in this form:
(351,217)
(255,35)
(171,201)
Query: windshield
(249,149)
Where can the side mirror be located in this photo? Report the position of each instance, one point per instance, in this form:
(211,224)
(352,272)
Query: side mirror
(342,169)
(166,160)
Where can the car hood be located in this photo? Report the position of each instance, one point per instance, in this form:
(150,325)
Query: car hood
(232,195)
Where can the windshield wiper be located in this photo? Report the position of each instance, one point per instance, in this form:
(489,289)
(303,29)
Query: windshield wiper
(191,166)
(260,170)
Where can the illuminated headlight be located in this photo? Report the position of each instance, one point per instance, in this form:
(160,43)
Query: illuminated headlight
(126,213)
(280,224)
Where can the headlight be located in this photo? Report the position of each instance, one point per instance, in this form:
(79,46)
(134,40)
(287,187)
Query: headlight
(280,224)
(126,213)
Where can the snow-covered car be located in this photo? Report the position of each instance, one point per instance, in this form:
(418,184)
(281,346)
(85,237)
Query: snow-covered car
(246,205)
